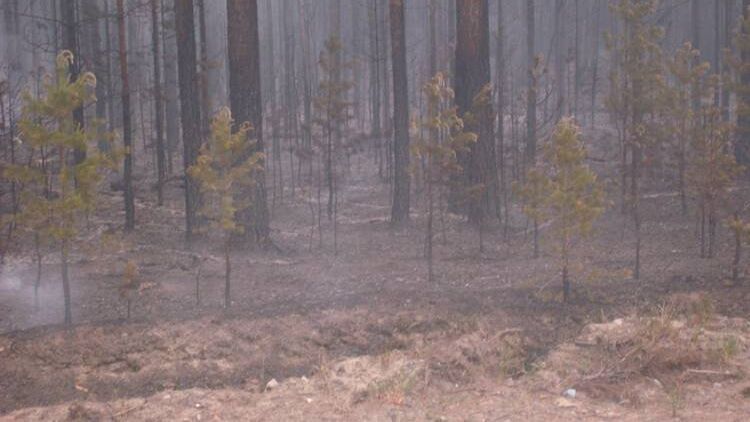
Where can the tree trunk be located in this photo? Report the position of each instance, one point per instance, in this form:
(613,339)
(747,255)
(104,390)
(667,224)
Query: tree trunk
(696,41)
(245,99)
(726,75)
(595,65)
(530,87)
(472,76)
(171,95)
(742,150)
(401,183)
(559,41)
(374,27)
(160,155)
(126,127)
(290,88)
(501,77)
(189,106)
(66,280)
(70,42)
(737,252)
(205,109)
(227,274)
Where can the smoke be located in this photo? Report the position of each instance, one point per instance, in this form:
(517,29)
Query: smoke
(17,308)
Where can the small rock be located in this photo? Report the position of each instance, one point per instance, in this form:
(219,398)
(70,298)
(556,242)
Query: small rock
(308,399)
(272,384)
(570,392)
(198,406)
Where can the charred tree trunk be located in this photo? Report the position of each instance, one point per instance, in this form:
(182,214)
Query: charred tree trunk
(375,41)
(695,36)
(472,77)
(245,99)
(126,125)
(595,63)
(70,42)
(559,53)
(203,79)
(530,87)
(189,106)
(501,77)
(160,155)
(401,183)
(742,151)
(171,95)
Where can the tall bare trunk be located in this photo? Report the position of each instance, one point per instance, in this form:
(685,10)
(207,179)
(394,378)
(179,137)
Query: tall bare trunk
(530,86)
(160,156)
(401,183)
(189,106)
(70,42)
(126,126)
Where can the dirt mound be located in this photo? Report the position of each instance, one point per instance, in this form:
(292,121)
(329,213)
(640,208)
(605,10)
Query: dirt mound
(636,359)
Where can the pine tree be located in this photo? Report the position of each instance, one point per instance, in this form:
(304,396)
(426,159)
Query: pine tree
(636,91)
(59,194)
(687,77)
(439,150)
(712,168)
(332,111)
(576,197)
(564,191)
(221,178)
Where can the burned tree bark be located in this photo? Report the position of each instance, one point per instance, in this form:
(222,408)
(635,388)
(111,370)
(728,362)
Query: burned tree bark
(70,42)
(471,81)
(160,156)
(401,183)
(126,125)
(530,87)
(189,105)
(245,99)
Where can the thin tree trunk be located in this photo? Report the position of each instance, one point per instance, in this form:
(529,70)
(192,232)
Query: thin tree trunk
(70,42)
(66,280)
(501,77)
(737,252)
(227,273)
(559,42)
(126,126)
(203,80)
(401,184)
(742,149)
(595,64)
(171,96)
(160,155)
(189,107)
(530,87)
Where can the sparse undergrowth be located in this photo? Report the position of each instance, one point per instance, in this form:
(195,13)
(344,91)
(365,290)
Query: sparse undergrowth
(350,366)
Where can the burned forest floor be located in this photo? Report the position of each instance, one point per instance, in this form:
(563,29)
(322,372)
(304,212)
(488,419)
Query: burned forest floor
(358,333)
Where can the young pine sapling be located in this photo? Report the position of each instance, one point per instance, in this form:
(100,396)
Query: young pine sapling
(446,138)
(225,165)
(59,194)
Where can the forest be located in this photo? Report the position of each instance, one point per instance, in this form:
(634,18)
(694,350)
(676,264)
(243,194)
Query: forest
(394,210)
